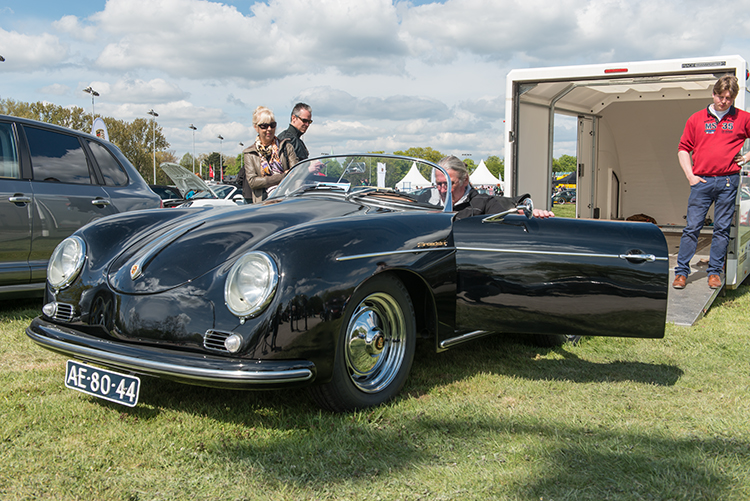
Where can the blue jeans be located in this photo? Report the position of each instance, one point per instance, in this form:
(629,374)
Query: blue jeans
(721,191)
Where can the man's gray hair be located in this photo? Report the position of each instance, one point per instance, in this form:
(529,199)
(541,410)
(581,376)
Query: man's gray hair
(454,163)
(299,107)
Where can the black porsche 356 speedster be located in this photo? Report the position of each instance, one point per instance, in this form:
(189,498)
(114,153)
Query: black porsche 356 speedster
(329,284)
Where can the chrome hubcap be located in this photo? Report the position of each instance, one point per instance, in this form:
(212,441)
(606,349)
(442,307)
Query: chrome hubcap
(375,346)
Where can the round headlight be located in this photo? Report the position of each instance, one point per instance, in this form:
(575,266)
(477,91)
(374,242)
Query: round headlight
(66,262)
(250,284)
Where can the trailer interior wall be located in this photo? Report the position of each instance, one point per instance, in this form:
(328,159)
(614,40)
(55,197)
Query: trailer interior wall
(637,141)
(533,150)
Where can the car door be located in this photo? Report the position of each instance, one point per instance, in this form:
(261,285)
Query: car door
(560,276)
(67,192)
(16,201)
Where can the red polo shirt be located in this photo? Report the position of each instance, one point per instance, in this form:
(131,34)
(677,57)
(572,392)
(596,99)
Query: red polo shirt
(714,143)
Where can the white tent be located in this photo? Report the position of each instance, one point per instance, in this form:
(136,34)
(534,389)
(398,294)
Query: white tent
(413,180)
(483,177)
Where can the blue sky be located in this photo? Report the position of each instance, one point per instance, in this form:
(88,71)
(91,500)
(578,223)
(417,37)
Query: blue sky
(379,74)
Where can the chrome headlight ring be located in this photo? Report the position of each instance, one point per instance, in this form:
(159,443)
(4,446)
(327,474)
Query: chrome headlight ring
(251,284)
(66,262)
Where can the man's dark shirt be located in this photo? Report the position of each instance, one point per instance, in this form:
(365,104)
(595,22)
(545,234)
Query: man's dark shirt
(477,204)
(296,138)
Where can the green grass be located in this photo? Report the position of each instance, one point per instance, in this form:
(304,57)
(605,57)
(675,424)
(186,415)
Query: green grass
(607,419)
(564,210)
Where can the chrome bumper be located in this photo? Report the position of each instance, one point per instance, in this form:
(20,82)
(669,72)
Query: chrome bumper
(186,367)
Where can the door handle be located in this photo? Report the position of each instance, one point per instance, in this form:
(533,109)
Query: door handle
(101,201)
(19,199)
(638,257)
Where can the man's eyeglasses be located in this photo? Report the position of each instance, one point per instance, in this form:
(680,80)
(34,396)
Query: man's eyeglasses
(442,185)
(306,121)
(265,126)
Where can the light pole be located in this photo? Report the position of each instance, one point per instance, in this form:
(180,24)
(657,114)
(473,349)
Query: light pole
(221,160)
(194,129)
(153,135)
(94,94)
(242,162)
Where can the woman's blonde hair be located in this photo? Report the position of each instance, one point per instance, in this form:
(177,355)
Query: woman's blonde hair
(262,115)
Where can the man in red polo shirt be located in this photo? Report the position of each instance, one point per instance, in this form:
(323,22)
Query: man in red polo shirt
(714,137)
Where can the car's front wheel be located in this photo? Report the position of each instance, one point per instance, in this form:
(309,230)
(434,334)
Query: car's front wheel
(375,347)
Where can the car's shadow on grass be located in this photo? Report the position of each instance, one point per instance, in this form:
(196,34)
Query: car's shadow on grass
(510,356)
(519,357)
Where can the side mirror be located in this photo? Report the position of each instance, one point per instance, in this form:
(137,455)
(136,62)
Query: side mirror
(526,205)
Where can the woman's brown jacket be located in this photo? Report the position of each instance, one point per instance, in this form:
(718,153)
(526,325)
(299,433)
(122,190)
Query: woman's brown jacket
(255,184)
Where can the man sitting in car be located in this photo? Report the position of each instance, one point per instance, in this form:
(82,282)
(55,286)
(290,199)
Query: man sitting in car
(467,201)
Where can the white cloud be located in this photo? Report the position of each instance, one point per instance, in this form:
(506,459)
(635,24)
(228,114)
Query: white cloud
(28,53)
(200,39)
(70,25)
(379,76)
(56,89)
(336,102)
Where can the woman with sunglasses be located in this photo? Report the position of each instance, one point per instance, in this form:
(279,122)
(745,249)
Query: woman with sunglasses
(267,160)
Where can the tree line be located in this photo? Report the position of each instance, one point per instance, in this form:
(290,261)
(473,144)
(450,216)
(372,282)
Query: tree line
(135,139)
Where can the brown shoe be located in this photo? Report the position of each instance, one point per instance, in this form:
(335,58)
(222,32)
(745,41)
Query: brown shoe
(714,281)
(679,281)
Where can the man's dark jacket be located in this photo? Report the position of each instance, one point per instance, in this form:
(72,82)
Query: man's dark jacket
(477,204)
(295,137)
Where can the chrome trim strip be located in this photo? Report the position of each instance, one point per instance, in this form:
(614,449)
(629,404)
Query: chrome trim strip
(23,288)
(179,371)
(646,257)
(447,343)
(389,253)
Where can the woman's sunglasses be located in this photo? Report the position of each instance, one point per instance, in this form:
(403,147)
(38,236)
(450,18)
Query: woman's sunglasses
(265,126)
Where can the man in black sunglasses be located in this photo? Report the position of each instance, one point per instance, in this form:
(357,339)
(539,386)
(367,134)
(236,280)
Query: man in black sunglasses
(300,121)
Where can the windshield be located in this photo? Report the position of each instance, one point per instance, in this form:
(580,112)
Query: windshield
(404,179)
(222,190)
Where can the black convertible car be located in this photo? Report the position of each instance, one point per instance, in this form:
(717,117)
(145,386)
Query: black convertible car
(329,284)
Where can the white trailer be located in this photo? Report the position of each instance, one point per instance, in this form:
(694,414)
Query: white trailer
(630,117)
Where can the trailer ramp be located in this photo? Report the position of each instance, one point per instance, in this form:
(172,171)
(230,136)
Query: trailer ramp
(686,306)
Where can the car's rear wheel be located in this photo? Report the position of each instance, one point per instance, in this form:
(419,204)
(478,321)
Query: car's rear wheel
(375,347)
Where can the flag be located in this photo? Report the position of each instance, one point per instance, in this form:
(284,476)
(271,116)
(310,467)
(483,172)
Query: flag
(210,171)
(381,175)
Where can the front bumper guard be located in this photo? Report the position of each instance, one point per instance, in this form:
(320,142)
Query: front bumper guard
(191,368)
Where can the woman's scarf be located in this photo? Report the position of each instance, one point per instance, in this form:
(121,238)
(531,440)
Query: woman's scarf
(270,162)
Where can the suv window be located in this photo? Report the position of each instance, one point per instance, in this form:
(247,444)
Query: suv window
(110,168)
(57,157)
(8,155)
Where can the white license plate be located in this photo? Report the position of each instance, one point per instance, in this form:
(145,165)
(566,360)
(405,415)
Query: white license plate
(102,383)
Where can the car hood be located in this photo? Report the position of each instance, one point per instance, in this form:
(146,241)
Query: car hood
(185,180)
(200,240)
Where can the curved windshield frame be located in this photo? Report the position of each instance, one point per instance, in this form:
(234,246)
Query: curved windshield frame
(367,174)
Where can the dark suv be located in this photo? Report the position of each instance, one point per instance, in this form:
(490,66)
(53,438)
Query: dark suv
(54,180)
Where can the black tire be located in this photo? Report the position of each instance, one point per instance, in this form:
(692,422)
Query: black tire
(375,347)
